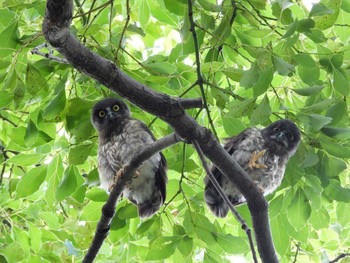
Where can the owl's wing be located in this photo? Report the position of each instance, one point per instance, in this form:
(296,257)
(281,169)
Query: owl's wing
(161,178)
(212,197)
(231,145)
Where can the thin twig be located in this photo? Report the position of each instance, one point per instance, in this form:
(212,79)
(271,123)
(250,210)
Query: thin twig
(48,54)
(225,198)
(200,79)
(124,29)
(297,252)
(108,210)
(340,257)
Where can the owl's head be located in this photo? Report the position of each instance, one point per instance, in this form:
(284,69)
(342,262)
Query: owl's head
(284,134)
(109,114)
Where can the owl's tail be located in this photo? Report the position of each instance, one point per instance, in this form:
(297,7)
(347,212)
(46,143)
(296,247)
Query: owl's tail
(215,203)
(151,206)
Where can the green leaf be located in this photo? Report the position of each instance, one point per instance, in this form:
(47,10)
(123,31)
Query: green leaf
(51,220)
(162,14)
(264,81)
(343,214)
(9,39)
(337,133)
(163,247)
(319,106)
(91,212)
(318,121)
(35,82)
(35,237)
(299,210)
(309,75)
(232,244)
(341,82)
(337,60)
(305,60)
(336,192)
(68,184)
(5,98)
(238,108)
(78,154)
(23,159)
(231,125)
(143,13)
(31,181)
(97,195)
(127,212)
(56,106)
(291,29)
(233,73)
(280,236)
(308,91)
(262,113)
(176,7)
(320,9)
(144,226)
(18,93)
(209,6)
(335,149)
(319,218)
(186,246)
(32,133)
(283,68)
(328,20)
(250,77)
(305,25)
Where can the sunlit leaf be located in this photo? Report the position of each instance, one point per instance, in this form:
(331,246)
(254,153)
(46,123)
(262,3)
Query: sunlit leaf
(31,181)
(262,113)
(68,184)
(299,210)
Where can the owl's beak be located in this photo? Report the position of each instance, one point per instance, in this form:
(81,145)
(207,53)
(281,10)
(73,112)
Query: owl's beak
(111,115)
(280,137)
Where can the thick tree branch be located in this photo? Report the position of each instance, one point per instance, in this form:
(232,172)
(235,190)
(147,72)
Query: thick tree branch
(56,31)
(108,209)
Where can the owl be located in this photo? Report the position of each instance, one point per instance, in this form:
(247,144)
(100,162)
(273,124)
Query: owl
(120,138)
(263,154)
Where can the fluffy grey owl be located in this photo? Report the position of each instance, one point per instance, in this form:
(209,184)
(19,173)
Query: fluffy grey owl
(263,154)
(120,138)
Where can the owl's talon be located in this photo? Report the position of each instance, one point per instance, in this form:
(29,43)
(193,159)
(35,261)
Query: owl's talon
(255,157)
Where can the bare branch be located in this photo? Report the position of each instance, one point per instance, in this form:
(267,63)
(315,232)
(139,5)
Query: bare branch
(108,209)
(49,54)
(226,200)
(340,257)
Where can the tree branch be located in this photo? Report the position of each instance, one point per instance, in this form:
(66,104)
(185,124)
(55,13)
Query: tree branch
(108,209)
(340,257)
(56,31)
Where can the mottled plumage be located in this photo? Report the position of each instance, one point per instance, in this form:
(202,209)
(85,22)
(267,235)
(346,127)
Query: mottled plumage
(280,140)
(120,138)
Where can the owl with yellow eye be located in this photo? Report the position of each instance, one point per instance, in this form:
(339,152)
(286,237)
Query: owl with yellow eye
(120,138)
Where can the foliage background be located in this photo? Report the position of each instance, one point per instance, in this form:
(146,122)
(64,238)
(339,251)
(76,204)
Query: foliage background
(277,60)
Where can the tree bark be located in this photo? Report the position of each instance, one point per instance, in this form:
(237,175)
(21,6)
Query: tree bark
(56,31)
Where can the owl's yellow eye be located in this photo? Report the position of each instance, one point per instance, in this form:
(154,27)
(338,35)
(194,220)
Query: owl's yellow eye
(101,114)
(116,107)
